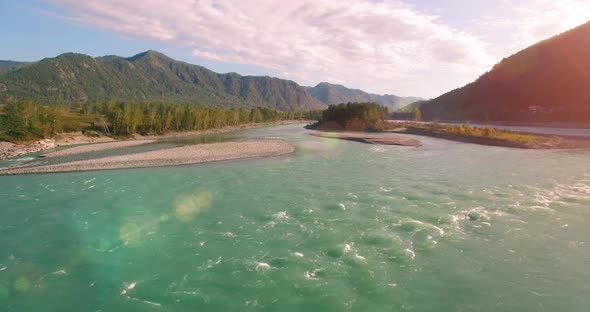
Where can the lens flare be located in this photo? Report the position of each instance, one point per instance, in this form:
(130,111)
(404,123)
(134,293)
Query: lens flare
(22,284)
(325,147)
(104,245)
(188,206)
(130,233)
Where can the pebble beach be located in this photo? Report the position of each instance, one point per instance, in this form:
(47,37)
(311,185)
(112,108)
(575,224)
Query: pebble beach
(184,155)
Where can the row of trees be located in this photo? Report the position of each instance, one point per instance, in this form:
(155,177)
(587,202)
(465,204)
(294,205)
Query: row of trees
(354,116)
(25,120)
(126,118)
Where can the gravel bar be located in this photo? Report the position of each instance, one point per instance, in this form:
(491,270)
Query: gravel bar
(96,147)
(370,138)
(191,154)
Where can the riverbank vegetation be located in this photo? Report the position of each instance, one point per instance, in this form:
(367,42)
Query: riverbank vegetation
(370,117)
(25,120)
(353,117)
(480,135)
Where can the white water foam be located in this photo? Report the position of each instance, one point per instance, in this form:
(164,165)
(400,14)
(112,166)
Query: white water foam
(127,287)
(211,263)
(421,225)
(377,149)
(145,301)
(21,159)
(282,215)
(347,248)
(410,253)
(360,258)
(262,266)
(312,274)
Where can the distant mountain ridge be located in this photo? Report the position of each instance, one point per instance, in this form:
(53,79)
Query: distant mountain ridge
(546,82)
(6,66)
(148,76)
(335,94)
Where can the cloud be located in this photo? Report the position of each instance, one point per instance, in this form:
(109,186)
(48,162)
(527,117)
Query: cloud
(377,46)
(528,22)
(541,19)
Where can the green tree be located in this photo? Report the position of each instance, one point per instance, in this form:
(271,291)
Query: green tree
(25,119)
(354,116)
(256,115)
(417,114)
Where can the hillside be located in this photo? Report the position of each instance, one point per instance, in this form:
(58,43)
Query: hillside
(545,82)
(335,94)
(148,76)
(410,108)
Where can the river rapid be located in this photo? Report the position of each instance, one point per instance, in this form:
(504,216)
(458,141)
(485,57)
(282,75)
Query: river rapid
(337,226)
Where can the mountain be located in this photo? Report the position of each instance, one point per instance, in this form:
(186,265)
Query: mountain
(6,66)
(335,94)
(410,108)
(547,82)
(148,76)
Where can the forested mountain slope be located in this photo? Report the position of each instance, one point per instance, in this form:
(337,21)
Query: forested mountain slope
(148,76)
(547,82)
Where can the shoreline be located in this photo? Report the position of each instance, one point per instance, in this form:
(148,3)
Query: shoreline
(559,143)
(378,138)
(547,124)
(95,147)
(10,150)
(502,138)
(175,156)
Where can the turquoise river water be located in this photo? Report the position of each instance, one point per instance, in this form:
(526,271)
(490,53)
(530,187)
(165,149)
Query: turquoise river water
(337,226)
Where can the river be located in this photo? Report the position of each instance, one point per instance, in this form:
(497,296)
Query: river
(337,226)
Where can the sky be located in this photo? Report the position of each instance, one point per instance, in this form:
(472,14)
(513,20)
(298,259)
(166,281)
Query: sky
(404,47)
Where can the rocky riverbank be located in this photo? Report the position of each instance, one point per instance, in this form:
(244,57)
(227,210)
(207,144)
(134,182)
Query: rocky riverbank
(10,150)
(98,147)
(185,155)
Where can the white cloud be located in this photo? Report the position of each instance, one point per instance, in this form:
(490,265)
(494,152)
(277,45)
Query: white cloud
(377,46)
(530,21)
(541,19)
